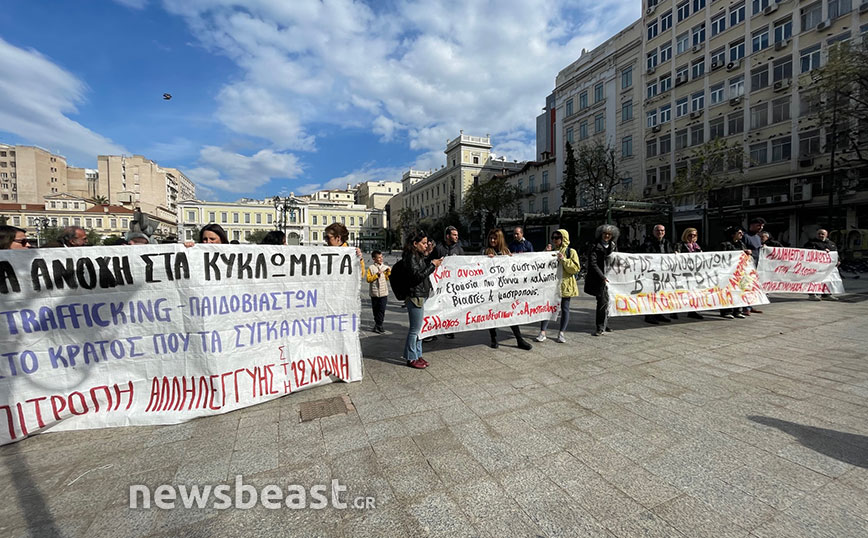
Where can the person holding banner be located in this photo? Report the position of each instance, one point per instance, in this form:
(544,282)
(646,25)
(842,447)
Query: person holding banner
(569,260)
(688,244)
(497,247)
(419,269)
(657,244)
(12,238)
(596,283)
(734,242)
(822,242)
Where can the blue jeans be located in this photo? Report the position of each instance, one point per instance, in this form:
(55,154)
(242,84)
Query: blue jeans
(565,316)
(413,346)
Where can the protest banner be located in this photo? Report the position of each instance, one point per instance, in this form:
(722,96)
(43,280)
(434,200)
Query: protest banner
(480,292)
(798,270)
(115,336)
(670,283)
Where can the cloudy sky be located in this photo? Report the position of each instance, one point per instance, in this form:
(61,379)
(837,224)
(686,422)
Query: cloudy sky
(272,96)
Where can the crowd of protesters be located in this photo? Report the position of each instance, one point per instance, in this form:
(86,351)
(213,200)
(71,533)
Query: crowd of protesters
(422,255)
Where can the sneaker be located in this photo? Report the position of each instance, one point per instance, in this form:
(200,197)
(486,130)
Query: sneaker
(541,337)
(429,339)
(814,297)
(493,344)
(525,345)
(738,316)
(608,329)
(756,311)
(830,298)
(597,333)
(561,339)
(746,313)
(727,316)
(418,364)
(694,315)
(423,361)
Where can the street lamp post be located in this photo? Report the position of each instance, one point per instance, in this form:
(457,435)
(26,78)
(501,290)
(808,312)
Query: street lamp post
(285,208)
(41,224)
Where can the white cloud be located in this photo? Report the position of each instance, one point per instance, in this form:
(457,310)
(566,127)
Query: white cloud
(233,172)
(36,102)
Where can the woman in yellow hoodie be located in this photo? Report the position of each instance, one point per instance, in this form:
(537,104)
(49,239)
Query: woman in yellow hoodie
(569,260)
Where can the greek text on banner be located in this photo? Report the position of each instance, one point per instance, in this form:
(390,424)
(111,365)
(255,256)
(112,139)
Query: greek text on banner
(115,336)
(669,283)
(798,270)
(481,292)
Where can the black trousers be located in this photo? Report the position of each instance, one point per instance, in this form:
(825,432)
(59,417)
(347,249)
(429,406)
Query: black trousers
(378,305)
(603,309)
(515,331)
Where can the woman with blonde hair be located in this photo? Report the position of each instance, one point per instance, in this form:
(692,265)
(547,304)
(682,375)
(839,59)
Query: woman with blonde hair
(688,244)
(496,246)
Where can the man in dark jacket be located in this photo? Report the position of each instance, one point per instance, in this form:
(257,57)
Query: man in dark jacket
(753,241)
(520,244)
(657,244)
(822,242)
(449,247)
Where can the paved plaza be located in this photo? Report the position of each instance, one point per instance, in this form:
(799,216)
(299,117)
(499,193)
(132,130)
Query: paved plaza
(718,428)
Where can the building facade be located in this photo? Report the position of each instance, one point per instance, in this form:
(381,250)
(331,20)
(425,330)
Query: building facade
(376,194)
(29,173)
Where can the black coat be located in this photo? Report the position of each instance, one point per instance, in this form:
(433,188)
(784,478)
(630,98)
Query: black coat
(816,244)
(595,279)
(653,246)
(732,245)
(418,269)
(682,248)
(442,250)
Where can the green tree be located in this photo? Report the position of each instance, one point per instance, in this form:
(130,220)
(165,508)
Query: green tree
(99,200)
(3,220)
(256,236)
(570,185)
(490,200)
(113,240)
(49,234)
(94,238)
(598,174)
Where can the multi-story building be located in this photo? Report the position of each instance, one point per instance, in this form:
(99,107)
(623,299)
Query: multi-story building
(468,160)
(741,71)
(28,174)
(376,194)
(539,185)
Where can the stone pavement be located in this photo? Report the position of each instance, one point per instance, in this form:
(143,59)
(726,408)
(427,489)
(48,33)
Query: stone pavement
(717,428)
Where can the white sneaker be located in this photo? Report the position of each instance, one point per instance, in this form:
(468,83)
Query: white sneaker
(561,339)
(541,337)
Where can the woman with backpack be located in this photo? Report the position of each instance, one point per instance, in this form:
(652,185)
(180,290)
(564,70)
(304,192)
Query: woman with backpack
(497,247)
(413,273)
(569,260)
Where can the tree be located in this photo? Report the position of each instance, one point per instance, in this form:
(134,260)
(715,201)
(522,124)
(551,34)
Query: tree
(598,174)
(256,236)
(94,238)
(99,200)
(569,187)
(490,200)
(113,240)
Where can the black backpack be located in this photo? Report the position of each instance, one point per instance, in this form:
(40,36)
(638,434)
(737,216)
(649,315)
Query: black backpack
(399,278)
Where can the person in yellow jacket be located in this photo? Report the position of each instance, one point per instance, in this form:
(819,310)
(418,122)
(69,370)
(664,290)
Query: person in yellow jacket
(378,276)
(569,260)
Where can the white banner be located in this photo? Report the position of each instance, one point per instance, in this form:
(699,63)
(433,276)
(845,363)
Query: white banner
(116,336)
(669,283)
(477,292)
(798,270)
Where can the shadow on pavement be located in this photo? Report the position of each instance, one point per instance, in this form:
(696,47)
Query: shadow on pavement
(29,497)
(846,447)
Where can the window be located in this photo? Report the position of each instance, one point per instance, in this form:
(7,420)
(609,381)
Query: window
(583,100)
(809,143)
(665,144)
(838,39)
(570,135)
(781,109)
(718,24)
(717,94)
(99,223)
(682,43)
(683,11)
(682,73)
(598,92)
(530,206)
(781,149)
(65,205)
(314,220)
(665,83)
(545,205)
(666,21)
(651,177)
(212,216)
(235,218)
(627,110)
(247,218)
(270,218)
(810,105)
(599,123)
(736,14)
(343,220)
(735,123)
(782,69)
(627,146)
(736,50)
(715,129)
(783,29)
(626,78)
(191,216)
(698,68)
(569,107)
(583,130)
(759,154)
(839,7)
(811,16)
(697,101)
(759,116)
(759,5)
(544,185)
(651,89)
(224,217)
(651,118)
(698,4)
(718,58)
(736,87)
(652,59)
(698,34)
(665,113)
(759,78)
(666,52)
(680,139)
(681,107)
(697,134)
(652,29)
(651,148)
(352,221)
(113,223)
(259,218)
(664,175)
(810,58)
(760,39)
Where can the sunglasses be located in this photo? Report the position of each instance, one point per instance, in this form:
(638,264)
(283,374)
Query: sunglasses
(21,242)
(557,237)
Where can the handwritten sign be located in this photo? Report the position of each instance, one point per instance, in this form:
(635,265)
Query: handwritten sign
(477,292)
(116,336)
(669,283)
(798,270)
